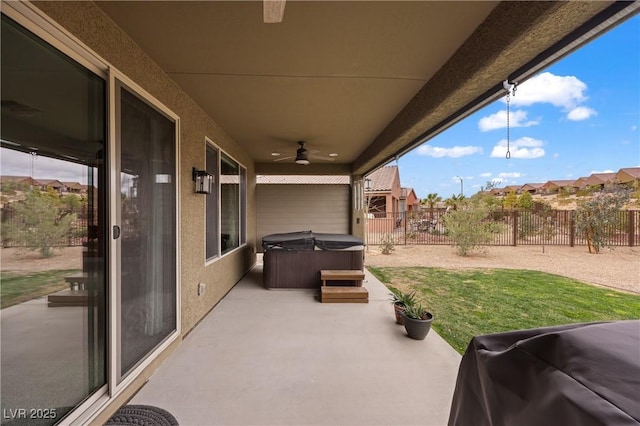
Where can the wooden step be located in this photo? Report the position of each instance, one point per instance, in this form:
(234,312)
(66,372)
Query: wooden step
(68,298)
(355,276)
(334,294)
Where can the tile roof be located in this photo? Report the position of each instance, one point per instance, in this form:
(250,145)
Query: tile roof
(382,179)
(628,174)
(600,178)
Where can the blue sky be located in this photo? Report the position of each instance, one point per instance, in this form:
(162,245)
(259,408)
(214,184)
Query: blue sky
(578,116)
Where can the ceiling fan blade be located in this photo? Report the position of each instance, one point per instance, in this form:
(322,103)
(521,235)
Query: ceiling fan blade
(284,158)
(322,157)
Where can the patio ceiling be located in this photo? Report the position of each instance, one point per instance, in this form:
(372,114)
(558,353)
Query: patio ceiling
(367,80)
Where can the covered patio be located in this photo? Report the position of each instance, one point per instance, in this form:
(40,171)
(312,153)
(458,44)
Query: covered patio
(282,357)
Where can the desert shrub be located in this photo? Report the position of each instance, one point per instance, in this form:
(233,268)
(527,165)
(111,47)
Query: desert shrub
(387,244)
(43,223)
(468,227)
(597,217)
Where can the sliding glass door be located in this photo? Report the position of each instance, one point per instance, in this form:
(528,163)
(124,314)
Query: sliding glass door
(89,228)
(53,192)
(146,147)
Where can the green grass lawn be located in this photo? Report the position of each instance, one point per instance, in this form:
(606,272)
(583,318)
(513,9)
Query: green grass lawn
(483,301)
(19,287)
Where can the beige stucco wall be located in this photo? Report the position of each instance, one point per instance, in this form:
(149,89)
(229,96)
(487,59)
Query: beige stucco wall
(86,21)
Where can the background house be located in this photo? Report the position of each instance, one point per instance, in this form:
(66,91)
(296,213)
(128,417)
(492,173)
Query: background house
(383,192)
(629,176)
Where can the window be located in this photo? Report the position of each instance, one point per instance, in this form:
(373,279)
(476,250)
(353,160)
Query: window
(243,205)
(229,204)
(211,225)
(226,205)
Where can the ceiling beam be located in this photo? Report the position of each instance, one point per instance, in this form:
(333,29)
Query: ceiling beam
(296,169)
(273,11)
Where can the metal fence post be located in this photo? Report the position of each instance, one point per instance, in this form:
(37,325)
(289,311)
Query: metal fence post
(632,227)
(572,228)
(515,228)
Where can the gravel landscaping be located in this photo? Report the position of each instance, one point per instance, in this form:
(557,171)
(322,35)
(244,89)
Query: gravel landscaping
(617,267)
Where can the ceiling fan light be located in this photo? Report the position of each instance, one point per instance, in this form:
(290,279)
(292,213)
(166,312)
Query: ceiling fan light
(302,161)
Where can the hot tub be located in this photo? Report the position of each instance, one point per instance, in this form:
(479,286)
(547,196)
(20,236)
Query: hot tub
(294,260)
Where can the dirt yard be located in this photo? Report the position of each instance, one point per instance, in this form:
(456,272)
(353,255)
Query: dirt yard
(19,260)
(618,268)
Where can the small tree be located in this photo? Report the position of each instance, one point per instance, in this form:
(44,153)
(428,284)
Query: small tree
(525,201)
(469,228)
(595,216)
(510,201)
(547,229)
(41,223)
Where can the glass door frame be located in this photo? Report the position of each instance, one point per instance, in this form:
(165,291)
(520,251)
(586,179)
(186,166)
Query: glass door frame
(116,381)
(37,22)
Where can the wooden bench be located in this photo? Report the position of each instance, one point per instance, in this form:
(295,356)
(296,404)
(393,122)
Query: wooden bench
(343,294)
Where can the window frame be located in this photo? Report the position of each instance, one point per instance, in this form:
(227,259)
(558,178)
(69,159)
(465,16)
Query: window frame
(216,198)
(242,204)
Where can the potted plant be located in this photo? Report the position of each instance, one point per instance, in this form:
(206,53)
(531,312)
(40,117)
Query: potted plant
(417,320)
(399,300)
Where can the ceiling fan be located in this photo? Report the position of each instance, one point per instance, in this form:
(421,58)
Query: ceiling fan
(303,154)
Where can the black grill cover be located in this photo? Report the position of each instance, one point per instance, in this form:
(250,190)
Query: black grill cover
(581,374)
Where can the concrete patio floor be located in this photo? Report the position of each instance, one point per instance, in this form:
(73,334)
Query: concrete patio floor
(280,357)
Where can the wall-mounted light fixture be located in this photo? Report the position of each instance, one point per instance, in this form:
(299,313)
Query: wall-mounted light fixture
(203,180)
(367,184)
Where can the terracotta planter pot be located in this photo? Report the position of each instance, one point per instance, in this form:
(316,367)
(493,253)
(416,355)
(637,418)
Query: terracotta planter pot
(417,329)
(399,309)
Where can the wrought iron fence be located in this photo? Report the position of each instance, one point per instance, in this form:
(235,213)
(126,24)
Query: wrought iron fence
(556,227)
(75,235)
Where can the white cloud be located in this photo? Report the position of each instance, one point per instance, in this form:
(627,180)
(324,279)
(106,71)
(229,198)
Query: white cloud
(16,163)
(565,92)
(604,171)
(556,155)
(525,148)
(499,120)
(505,175)
(634,128)
(454,152)
(485,175)
(581,113)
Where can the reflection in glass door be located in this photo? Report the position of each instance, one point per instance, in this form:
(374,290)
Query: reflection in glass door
(53,281)
(146,144)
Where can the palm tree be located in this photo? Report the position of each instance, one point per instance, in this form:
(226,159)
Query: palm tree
(431,200)
(454,201)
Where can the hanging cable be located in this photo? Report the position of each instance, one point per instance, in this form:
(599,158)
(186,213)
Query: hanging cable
(509,87)
(508,155)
